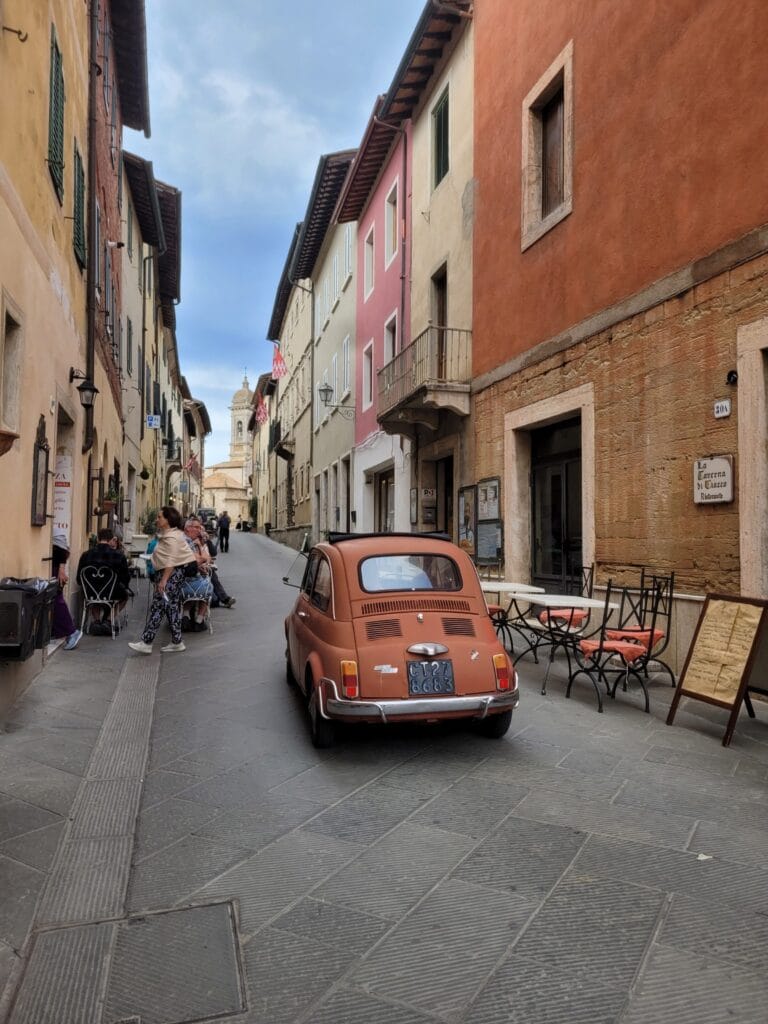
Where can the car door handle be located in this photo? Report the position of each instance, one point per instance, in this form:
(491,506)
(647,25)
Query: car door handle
(303,615)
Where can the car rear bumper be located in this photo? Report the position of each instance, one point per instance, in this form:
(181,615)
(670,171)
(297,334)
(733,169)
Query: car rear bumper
(332,705)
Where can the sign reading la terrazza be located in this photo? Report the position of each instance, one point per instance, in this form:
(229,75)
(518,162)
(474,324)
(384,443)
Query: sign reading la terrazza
(713,480)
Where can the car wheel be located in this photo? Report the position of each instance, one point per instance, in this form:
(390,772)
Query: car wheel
(321,730)
(290,678)
(495,726)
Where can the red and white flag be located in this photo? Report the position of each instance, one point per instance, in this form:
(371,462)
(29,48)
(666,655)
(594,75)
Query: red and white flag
(261,410)
(279,369)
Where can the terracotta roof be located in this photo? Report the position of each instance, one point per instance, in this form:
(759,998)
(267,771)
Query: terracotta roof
(221,480)
(433,33)
(283,291)
(169,199)
(141,181)
(331,172)
(129,35)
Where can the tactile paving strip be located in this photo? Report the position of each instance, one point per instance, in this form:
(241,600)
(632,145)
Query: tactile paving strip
(89,878)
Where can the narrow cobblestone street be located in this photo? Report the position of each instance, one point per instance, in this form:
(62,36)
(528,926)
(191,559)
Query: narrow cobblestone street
(172,848)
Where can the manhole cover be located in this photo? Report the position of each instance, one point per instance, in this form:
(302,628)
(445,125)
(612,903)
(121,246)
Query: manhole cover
(175,967)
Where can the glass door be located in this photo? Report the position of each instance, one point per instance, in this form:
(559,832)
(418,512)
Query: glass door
(556,506)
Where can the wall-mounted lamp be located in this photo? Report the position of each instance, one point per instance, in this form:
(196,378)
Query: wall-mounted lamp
(732,377)
(87,389)
(115,245)
(326,394)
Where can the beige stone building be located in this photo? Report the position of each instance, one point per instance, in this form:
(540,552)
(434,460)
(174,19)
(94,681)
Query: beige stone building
(227,485)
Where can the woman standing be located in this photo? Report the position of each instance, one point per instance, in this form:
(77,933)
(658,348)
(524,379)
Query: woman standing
(168,560)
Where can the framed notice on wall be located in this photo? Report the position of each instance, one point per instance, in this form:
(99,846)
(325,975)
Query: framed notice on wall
(728,651)
(490,542)
(488,491)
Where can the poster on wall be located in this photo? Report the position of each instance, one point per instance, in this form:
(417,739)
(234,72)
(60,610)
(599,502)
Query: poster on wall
(467,519)
(488,499)
(62,494)
(490,542)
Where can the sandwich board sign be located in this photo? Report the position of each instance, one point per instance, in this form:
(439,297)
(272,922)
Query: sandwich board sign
(727,657)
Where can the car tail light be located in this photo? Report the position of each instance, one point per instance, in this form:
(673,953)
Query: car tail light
(349,682)
(501,668)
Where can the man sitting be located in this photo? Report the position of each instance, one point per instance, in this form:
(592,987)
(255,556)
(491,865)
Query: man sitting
(105,555)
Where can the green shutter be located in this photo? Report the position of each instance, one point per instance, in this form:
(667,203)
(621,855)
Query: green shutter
(56,119)
(78,235)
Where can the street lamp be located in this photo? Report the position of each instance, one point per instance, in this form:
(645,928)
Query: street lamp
(326,394)
(87,389)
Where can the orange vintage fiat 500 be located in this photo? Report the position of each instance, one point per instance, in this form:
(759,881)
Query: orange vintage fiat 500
(394,627)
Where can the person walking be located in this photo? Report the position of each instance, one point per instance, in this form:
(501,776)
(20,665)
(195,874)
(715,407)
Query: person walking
(169,559)
(62,624)
(224,524)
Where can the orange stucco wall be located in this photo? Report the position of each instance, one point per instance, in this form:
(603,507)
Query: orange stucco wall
(670,127)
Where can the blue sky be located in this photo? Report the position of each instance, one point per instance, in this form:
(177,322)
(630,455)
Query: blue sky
(245,95)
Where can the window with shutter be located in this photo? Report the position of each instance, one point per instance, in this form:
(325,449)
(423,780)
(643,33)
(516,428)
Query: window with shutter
(440,156)
(78,231)
(129,345)
(56,119)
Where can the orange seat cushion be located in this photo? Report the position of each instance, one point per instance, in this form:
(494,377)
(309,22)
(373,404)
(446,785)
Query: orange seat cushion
(625,648)
(571,616)
(635,633)
(496,609)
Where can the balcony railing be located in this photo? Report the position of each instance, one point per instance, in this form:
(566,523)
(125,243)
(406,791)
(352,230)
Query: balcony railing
(436,358)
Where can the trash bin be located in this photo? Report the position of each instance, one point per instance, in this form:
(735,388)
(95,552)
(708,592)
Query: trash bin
(25,616)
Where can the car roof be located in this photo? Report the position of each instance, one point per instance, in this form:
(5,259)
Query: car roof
(354,546)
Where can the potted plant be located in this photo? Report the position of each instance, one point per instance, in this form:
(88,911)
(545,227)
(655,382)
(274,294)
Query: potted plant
(109,501)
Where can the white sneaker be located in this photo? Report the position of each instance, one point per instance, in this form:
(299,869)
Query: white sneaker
(140,647)
(73,640)
(171,648)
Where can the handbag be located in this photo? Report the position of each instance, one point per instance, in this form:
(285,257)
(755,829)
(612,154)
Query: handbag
(190,570)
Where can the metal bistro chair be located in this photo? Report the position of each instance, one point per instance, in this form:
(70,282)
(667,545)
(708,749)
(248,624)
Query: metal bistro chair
(656,595)
(489,572)
(205,596)
(563,631)
(98,583)
(570,621)
(622,658)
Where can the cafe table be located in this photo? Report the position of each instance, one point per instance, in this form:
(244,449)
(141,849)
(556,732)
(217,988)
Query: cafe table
(555,630)
(503,619)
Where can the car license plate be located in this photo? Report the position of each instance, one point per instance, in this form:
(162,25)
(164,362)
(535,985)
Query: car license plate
(429,677)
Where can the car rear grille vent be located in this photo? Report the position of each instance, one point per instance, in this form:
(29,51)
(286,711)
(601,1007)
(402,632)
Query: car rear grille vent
(458,627)
(378,629)
(418,604)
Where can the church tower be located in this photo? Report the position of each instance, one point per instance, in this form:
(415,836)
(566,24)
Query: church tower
(240,411)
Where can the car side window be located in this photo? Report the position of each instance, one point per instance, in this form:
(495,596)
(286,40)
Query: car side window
(309,574)
(321,593)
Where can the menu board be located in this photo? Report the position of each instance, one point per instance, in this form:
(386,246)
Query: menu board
(722,655)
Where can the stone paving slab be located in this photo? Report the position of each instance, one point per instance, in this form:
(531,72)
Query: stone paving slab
(523,857)
(675,871)
(346,1006)
(444,951)
(711,991)
(35,849)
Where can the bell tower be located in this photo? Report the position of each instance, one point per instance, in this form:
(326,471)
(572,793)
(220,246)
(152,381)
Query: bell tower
(240,412)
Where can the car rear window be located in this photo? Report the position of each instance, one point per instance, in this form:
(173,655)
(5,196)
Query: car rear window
(409,572)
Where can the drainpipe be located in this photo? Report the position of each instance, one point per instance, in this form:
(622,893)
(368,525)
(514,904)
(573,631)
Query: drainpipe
(94,72)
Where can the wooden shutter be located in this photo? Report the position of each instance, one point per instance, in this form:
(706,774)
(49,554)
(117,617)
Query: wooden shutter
(78,234)
(552,154)
(56,119)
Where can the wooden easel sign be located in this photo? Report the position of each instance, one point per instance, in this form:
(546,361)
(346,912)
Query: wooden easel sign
(730,642)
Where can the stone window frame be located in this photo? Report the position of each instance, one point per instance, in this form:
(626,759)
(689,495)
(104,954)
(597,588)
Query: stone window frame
(517,473)
(752,407)
(533,224)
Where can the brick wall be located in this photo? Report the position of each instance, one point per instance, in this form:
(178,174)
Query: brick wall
(656,377)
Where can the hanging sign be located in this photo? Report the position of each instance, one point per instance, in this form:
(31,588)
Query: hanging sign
(62,493)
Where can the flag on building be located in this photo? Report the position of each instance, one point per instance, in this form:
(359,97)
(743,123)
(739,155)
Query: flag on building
(279,369)
(261,409)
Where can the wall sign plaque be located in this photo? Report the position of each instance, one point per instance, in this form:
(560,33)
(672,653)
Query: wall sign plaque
(728,650)
(713,480)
